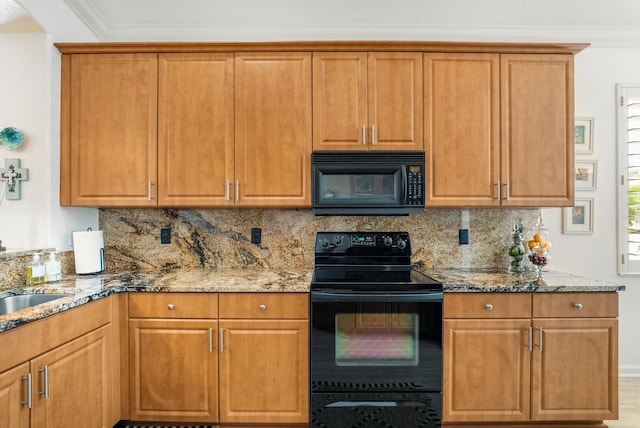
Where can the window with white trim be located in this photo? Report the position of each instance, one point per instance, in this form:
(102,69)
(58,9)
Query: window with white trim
(629,178)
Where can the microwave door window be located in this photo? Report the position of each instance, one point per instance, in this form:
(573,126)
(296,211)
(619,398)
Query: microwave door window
(378,188)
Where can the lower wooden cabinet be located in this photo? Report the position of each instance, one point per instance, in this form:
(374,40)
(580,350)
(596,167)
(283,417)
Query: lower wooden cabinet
(264,358)
(68,379)
(230,358)
(173,360)
(14,410)
(74,383)
(527,358)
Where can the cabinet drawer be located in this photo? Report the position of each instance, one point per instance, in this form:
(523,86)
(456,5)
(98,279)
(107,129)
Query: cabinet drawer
(487,305)
(575,305)
(173,305)
(264,305)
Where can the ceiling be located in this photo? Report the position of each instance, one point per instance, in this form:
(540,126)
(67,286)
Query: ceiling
(613,21)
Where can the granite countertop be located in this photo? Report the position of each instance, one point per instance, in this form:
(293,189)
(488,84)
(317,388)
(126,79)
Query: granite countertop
(479,280)
(87,288)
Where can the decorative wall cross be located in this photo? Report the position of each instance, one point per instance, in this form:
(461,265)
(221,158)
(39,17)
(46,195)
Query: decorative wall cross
(13,175)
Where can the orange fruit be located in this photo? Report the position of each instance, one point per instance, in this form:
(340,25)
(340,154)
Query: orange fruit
(537,237)
(532,244)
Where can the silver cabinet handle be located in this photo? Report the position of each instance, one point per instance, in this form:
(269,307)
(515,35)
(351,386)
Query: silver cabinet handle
(149,194)
(29,401)
(530,344)
(489,306)
(171,306)
(577,306)
(540,338)
(237,190)
(507,191)
(211,340)
(221,339)
(498,190)
(373,134)
(228,190)
(364,134)
(45,370)
(263,307)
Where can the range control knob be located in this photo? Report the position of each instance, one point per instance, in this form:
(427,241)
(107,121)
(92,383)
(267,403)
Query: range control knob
(402,244)
(386,240)
(338,240)
(324,243)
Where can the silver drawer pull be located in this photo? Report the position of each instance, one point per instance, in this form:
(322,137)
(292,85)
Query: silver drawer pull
(45,370)
(29,402)
(489,306)
(263,307)
(171,306)
(577,305)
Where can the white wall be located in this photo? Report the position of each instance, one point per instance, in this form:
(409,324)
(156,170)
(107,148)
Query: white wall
(597,70)
(29,100)
(23,104)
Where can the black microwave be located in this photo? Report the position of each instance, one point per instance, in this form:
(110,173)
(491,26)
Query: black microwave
(368,183)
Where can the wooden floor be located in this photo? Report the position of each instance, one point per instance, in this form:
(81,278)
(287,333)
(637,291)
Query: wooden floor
(629,404)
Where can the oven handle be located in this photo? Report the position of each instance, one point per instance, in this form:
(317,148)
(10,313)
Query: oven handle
(323,296)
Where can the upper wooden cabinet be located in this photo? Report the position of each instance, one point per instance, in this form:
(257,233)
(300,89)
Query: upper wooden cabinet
(186,129)
(109,129)
(462,128)
(537,130)
(499,129)
(273,129)
(367,101)
(233,124)
(195,129)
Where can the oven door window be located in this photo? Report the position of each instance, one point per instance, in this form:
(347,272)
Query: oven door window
(376,336)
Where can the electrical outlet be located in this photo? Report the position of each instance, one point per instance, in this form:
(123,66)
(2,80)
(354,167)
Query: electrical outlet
(256,235)
(463,236)
(165,236)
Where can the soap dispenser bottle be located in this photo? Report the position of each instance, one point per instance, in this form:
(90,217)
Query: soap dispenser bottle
(35,271)
(53,268)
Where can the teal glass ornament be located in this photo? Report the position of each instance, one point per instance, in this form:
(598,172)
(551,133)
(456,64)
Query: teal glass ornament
(11,138)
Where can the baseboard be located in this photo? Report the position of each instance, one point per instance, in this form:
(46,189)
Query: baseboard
(629,370)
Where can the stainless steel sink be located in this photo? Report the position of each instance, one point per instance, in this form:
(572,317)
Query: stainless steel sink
(15,303)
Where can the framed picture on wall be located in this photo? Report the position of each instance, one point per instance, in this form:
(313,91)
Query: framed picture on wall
(586,174)
(578,219)
(584,135)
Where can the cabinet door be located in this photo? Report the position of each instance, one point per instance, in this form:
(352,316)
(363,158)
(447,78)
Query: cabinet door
(195,130)
(73,384)
(462,128)
(537,130)
(575,369)
(273,129)
(340,117)
(113,120)
(264,371)
(173,370)
(395,101)
(13,397)
(486,370)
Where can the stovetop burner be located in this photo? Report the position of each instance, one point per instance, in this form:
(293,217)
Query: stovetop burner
(367,261)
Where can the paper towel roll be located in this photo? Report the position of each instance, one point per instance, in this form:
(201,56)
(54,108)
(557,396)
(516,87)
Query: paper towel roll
(88,251)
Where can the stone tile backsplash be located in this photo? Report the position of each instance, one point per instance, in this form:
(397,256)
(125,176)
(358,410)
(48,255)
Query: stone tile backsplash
(220,238)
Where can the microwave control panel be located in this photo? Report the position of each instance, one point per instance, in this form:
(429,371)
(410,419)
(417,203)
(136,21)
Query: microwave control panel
(415,183)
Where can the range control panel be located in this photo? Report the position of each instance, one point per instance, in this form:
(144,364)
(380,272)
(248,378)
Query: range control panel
(370,242)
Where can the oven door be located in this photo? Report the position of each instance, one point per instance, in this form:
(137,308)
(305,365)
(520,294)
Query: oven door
(376,353)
